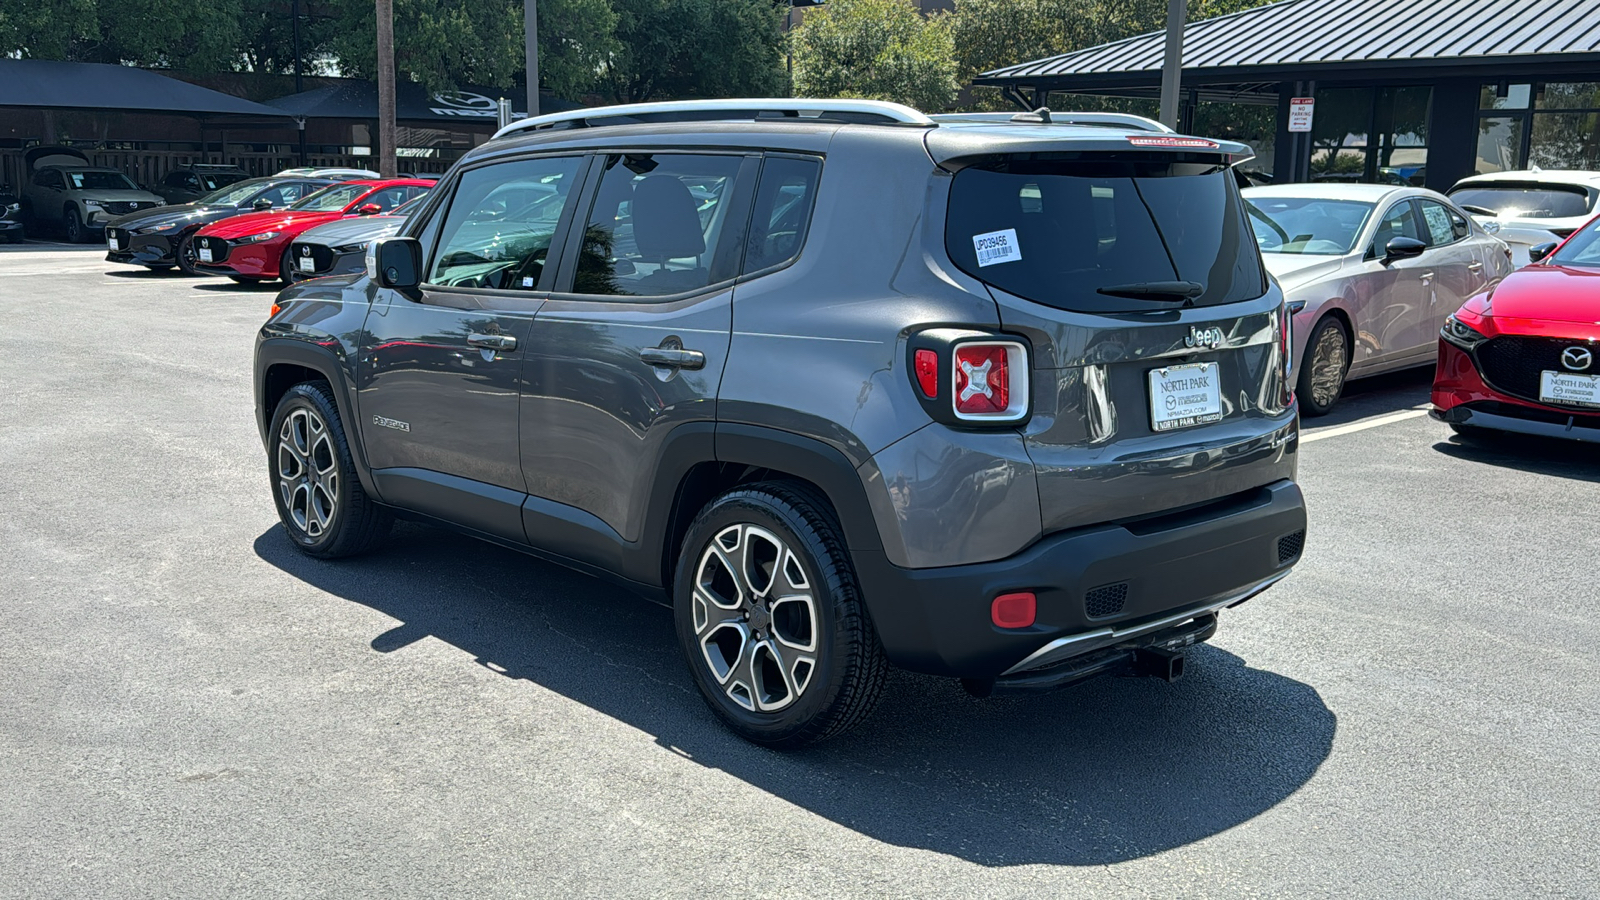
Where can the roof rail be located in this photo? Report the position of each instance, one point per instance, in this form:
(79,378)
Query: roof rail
(1056,117)
(857,111)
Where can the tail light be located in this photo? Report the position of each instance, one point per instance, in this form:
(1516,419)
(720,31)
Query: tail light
(970,378)
(1286,351)
(1018,610)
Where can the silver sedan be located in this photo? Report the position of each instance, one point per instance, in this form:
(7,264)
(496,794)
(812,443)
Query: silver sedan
(1369,271)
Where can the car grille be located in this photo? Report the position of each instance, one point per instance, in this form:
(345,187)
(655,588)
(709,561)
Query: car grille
(218,247)
(1106,600)
(1512,364)
(122,236)
(1290,545)
(321,256)
(123,207)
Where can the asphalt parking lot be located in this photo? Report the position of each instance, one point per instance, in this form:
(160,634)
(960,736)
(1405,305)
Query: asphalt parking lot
(188,708)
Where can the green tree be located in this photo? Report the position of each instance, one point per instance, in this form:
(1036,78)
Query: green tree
(694,48)
(876,49)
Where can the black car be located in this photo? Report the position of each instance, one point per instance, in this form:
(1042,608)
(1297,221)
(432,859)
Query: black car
(160,238)
(11,229)
(190,183)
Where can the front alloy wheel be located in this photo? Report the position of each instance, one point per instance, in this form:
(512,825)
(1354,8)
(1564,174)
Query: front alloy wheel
(319,497)
(308,472)
(1323,374)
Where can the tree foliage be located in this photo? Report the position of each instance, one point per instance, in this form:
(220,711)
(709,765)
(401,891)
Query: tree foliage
(695,48)
(876,49)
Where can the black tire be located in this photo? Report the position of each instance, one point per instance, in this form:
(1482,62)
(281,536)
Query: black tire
(284,265)
(185,255)
(73,226)
(355,524)
(1316,399)
(844,677)
(15,236)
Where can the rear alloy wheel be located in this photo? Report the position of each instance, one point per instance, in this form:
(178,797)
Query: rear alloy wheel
(770,619)
(1322,374)
(319,497)
(74,227)
(186,255)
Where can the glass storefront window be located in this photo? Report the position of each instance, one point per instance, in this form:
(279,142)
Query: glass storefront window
(1565,141)
(1499,144)
(1569,95)
(1372,135)
(1516,96)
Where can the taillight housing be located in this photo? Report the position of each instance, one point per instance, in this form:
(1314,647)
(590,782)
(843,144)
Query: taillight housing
(970,379)
(991,381)
(1286,313)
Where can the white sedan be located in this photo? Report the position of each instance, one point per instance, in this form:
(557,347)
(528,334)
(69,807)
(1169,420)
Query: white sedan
(1369,272)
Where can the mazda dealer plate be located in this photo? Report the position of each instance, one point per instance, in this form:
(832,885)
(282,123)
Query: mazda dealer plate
(1181,396)
(307,264)
(111,242)
(205,254)
(1565,387)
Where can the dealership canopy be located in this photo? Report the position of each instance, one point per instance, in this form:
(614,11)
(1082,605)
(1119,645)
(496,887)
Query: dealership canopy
(1309,39)
(414,104)
(48,84)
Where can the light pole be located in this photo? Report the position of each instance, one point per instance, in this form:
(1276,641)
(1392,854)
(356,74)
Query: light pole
(386,127)
(530,21)
(298,87)
(1172,66)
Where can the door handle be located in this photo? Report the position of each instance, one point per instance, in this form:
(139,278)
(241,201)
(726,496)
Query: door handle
(1427,276)
(673,357)
(1475,266)
(492,341)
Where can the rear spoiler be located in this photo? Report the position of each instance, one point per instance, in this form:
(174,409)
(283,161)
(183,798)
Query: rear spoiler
(952,149)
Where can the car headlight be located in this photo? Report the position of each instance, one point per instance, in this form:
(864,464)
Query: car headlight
(1460,333)
(257,238)
(157,229)
(13,207)
(353,248)
(94,204)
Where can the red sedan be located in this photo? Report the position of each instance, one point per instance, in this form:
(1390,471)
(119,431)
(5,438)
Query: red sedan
(253,247)
(1525,356)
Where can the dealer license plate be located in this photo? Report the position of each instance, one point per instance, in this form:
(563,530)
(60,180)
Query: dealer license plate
(205,254)
(111,242)
(1181,396)
(307,264)
(1573,390)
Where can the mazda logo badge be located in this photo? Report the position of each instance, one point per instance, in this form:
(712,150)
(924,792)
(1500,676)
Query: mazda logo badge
(1576,358)
(305,251)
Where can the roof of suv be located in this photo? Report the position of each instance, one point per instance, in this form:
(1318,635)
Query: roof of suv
(811,124)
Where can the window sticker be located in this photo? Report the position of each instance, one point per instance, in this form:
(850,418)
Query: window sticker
(997,247)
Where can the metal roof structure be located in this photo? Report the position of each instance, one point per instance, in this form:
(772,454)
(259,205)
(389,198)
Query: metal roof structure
(1308,38)
(49,84)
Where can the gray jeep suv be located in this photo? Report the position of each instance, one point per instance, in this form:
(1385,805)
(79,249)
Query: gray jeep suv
(845,386)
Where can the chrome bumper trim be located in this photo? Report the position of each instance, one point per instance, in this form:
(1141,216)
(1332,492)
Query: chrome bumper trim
(1077,644)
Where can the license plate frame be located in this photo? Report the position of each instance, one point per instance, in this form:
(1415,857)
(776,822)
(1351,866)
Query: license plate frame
(1569,389)
(1185,396)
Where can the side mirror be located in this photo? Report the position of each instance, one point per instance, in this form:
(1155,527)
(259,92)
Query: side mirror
(395,262)
(1540,251)
(369,209)
(1403,248)
(261,203)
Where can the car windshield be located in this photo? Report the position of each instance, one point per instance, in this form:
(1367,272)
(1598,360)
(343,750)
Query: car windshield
(1306,225)
(1089,234)
(1525,201)
(100,181)
(234,194)
(332,198)
(1582,249)
(214,180)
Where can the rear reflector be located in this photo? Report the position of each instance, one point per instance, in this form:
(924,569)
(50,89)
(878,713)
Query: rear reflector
(1014,610)
(928,373)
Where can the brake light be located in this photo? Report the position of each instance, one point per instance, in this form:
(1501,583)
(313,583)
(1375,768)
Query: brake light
(1017,610)
(990,380)
(927,365)
(1286,351)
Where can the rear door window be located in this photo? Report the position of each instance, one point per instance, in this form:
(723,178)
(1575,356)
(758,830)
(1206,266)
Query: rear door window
(1437,219)
(1063,232)
(782,213)
(657,226)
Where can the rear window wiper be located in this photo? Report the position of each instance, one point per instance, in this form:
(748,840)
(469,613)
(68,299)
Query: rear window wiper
(1161,291)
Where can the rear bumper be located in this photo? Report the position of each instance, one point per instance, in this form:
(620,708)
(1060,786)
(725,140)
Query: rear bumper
(1145,577)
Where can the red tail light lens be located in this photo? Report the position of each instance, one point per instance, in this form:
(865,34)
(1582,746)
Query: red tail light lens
(1017,610)
(991,381)
(927,363)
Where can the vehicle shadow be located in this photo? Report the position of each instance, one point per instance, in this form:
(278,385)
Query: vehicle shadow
(1107,771)
(1376,396)
(234,287)
(146,274)
(1527,453)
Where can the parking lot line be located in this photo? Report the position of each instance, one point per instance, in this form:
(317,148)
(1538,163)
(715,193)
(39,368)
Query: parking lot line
(1363,426)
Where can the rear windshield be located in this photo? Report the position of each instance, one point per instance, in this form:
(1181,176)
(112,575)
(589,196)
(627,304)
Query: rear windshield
(1058,231)
(1519,201)
(213,180)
